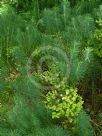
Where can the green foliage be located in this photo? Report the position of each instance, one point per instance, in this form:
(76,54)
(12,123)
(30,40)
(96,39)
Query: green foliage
(54,132)
(64,103)
(21,116)
(65,25)
(4,96)
(27,115)
(84,125)
(98,36)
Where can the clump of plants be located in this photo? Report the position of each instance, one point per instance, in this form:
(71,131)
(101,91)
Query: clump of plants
(61,100)
(64,103)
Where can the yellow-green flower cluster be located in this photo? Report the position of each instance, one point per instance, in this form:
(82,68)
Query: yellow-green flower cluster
(66,104)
